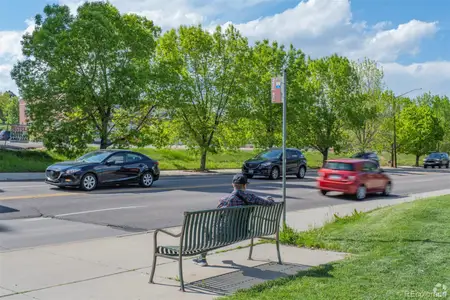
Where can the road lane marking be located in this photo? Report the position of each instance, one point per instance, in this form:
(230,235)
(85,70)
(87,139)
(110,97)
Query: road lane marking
(99,210)
(21,186)
(37,219)
(38,196)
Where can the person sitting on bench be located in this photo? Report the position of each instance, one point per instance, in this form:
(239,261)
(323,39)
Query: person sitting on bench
(238,197)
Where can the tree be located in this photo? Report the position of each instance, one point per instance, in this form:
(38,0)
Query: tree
(327,95)
(205,85)
(4,101)
(365,115)
(266,118)
(419,130)
(441,108)
(9,109)
(88,75)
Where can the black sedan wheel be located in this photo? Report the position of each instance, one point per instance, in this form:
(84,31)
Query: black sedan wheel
(146,180)
(88,182)
(274,173)
(301,172)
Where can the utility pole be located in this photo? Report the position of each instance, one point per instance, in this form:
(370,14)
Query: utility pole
(394,107)
(284,99)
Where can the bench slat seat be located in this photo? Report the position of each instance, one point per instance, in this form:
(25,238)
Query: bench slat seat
(208,230)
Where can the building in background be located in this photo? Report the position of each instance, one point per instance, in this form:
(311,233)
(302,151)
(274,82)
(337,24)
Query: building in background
(22,112)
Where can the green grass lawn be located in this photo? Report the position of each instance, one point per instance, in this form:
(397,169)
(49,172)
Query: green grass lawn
(38,161)
(398,252)
(170,159)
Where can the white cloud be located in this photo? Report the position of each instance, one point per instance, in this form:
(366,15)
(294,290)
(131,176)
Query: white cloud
(322,27)
(389,44)
(10,52)
(307,20)
(6,83)
(430,76)
(10,42)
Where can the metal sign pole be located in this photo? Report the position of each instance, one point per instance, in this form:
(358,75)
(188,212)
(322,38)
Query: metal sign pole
(279,91)
(284,143)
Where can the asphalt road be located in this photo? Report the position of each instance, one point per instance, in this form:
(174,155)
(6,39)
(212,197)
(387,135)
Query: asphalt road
(33,213)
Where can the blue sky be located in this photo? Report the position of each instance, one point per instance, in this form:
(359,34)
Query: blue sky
(319,27)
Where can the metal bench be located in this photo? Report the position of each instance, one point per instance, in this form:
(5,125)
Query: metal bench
(208,230)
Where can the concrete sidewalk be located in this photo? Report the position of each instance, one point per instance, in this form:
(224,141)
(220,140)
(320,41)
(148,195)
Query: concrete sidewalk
(39,176)
(119,267)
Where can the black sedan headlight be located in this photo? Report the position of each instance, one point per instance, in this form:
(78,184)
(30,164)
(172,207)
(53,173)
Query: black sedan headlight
(72,171)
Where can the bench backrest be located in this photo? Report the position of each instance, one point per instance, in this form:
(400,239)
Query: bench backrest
(215,228)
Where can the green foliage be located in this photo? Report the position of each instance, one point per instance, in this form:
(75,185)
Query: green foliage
(365,115)
(9,109)
(328,95)
(84,75)
(419,130)
(441,108)
(205,83)
(268,61)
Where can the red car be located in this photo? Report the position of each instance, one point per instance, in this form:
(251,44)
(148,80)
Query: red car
(353,177)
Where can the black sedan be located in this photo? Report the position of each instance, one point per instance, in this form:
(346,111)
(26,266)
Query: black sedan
(104,167)
(269,164)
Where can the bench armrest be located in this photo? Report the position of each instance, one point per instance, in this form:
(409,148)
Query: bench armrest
(155,236)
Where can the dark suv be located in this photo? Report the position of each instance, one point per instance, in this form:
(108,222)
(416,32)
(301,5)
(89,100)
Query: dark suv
(368,155)
(436,159)
(270,163)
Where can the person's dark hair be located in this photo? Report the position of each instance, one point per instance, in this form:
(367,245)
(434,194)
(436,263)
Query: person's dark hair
(240,179)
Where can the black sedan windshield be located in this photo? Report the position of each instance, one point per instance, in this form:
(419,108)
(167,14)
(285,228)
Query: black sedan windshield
(274,154)
(94,157)
(434,155)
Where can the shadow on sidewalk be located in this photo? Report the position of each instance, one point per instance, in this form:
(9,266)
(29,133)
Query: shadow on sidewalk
(259,277)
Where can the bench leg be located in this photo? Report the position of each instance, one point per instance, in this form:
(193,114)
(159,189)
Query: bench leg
(180,270)
(278,248)
(251,250)
(153,269)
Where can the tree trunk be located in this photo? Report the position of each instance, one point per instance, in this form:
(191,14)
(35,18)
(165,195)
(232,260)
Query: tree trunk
(104,133)
(203,160)
(392,155)
(417,160)
(325,155)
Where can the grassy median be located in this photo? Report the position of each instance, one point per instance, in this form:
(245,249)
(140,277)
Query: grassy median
(170,159)
(398,252)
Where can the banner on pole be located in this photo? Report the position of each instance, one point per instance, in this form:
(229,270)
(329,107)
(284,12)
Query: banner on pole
(276,90)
